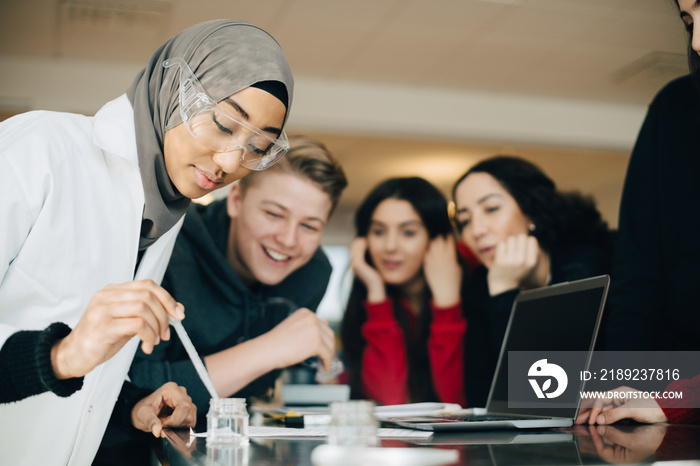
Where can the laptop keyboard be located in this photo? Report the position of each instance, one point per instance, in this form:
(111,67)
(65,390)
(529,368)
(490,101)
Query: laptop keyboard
(482,417)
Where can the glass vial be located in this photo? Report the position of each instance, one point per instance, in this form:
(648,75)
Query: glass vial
(353,424)
(227,421)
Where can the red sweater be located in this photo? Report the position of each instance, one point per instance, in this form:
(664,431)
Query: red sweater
(384,362)
(677,411)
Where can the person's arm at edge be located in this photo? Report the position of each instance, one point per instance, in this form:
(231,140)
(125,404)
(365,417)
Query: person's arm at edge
(687,409)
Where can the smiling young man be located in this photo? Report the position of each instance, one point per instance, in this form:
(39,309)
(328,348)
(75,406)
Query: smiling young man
(233,261)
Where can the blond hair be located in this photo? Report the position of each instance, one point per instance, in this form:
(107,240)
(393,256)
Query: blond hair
(307,158)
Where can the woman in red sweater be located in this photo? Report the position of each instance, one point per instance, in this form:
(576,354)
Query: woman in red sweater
(403,329)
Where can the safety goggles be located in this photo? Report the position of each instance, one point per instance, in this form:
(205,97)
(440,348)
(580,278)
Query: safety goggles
(221,131)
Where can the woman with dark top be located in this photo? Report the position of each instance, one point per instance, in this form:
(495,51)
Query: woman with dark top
(654,299)
(653,303)
(89,211)
(526,234)
(402,332)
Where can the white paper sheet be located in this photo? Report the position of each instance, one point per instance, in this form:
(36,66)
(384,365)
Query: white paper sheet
(381,412)
(320,431)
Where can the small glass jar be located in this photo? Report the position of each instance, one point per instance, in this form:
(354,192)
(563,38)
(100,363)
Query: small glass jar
(353,424)
(227,421)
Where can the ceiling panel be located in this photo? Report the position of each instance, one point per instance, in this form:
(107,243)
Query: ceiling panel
(189,12)
(322,38)
(490,45)
(609,51)
(633,28)
(584,57)
(28,27)
(469,15)
(543,24)
(403,56)
(120,31)
(597,8)
(651,6)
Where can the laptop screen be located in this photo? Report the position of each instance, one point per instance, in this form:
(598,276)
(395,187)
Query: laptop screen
(558,318)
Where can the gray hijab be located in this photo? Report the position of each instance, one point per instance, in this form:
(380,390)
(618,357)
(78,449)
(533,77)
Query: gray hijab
(226,56)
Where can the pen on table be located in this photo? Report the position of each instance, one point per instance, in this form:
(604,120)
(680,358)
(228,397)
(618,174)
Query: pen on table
(307,420)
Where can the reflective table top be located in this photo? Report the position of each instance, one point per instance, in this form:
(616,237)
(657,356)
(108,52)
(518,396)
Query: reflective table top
(619,444)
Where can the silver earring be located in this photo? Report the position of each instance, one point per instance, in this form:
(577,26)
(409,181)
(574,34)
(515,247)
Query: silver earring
(531,227)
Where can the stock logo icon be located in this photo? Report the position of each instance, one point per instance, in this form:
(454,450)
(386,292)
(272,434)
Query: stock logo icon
(546,372)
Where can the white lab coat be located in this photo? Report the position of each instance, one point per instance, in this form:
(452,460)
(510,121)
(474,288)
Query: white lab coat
(71,200)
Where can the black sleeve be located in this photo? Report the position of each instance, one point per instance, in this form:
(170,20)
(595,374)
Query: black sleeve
(487,318)
(25,365)
(128,397)
(635,292)
(491,313)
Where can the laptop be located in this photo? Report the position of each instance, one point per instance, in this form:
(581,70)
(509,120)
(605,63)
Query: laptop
(552,330)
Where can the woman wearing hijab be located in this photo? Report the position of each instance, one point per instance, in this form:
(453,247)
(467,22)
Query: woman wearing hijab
(90,208)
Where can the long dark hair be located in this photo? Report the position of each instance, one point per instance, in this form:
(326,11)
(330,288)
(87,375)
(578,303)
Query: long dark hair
(560,218)
(693,57)
(431,206)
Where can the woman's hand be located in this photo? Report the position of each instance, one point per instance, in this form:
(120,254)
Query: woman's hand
(515,261)
(300,336)
(610,408)
(169,406)
(114,316)
(376,291)
(442,271)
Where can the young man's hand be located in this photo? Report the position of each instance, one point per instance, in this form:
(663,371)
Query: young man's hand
(169,406)
(300,336)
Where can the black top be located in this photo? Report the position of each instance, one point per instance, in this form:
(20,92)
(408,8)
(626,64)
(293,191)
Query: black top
(655,291)
(487,316)
(26,370)
(220,310)
(25,365)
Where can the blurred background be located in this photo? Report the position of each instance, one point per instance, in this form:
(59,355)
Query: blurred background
(393,87)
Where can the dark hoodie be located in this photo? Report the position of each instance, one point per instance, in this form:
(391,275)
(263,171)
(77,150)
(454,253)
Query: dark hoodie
(221,311)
